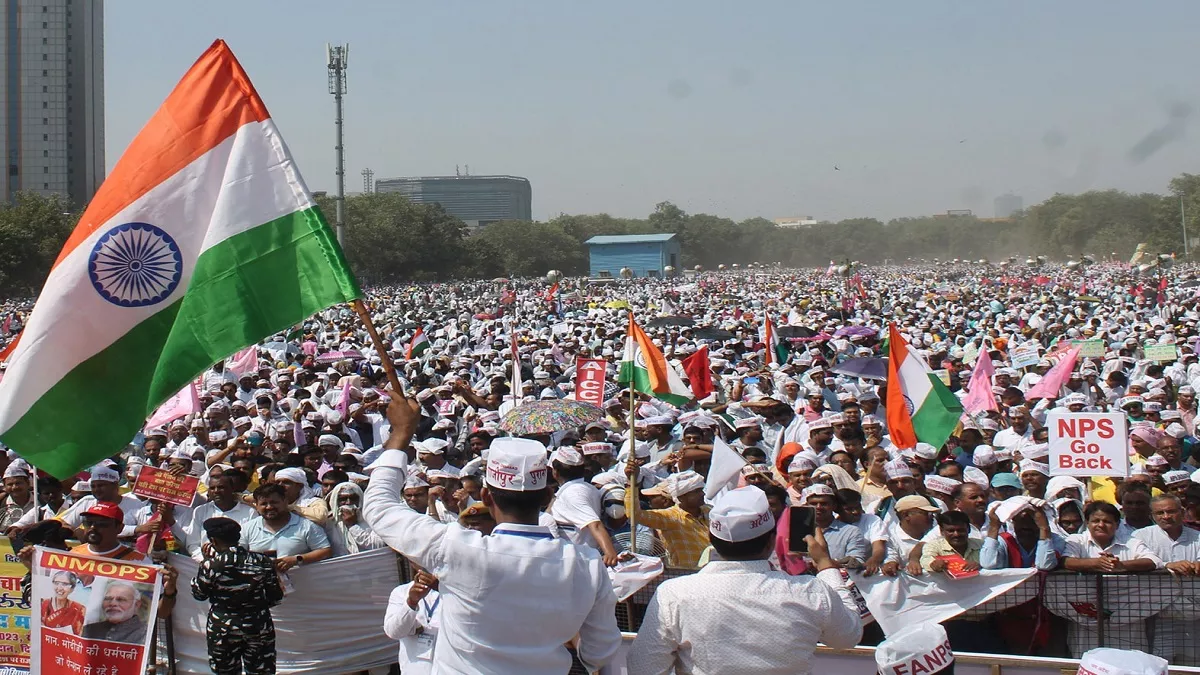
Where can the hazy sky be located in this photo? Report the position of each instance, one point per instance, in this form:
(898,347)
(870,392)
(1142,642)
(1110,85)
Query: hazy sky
(735,109)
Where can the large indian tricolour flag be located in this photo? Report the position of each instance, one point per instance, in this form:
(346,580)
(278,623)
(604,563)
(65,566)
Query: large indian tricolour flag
(204,239)
(919,406)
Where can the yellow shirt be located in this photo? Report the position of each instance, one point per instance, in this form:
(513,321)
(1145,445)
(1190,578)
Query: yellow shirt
(316,510)
(684,535)
(870,491)
(1103,489)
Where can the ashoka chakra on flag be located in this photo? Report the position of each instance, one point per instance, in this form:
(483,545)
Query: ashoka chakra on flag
(135,265)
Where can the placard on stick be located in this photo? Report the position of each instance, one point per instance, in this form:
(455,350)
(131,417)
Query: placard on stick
(1025,355)
(1088,444)
(164,486)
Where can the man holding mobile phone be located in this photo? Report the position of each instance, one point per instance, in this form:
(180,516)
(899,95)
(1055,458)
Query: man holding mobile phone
(846,544)
(698,609)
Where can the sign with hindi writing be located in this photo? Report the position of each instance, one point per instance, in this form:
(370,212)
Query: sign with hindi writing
(943,375)
(1023,356)
(1089,349)
(1161,352)
(92,615)
(589,380)
(14,614)
(164,486)
(1088,444)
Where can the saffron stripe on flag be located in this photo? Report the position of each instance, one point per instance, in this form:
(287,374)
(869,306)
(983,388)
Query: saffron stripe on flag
(208,105)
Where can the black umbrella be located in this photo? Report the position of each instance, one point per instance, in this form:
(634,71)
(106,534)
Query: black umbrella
(664,321)
(795,332)
(713,334)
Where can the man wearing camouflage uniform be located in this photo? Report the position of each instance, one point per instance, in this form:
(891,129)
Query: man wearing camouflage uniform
(241,587)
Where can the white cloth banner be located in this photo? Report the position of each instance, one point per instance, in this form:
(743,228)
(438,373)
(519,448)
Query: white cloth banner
(331,624)
(905,600)
(630,576)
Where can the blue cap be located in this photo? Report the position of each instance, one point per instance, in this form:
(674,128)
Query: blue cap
(1006,480)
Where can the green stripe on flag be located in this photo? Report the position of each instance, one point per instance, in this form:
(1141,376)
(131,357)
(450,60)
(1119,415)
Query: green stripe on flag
(938,416)
(254,284)
(638,379)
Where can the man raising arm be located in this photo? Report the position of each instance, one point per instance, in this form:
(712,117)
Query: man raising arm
(540,592)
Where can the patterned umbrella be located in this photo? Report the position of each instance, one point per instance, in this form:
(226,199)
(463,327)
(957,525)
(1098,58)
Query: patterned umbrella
(545,417)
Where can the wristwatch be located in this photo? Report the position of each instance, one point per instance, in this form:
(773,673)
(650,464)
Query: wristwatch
(299,560)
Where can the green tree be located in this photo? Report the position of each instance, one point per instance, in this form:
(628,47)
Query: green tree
(526,249)
(33,229)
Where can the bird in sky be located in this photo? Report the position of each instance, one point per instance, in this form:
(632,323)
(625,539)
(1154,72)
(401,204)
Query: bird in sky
(836,168)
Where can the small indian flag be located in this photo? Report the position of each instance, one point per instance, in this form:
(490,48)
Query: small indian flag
(644,369)
(418,345)
(919,406)
(203,240)
(775,352)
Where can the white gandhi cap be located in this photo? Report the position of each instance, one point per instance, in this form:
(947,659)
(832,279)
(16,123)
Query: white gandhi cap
(921,648)
(740,515)
(1108,661)
(517,464)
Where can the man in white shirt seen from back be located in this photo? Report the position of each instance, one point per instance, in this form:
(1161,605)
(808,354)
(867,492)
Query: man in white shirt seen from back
(576,507)
(689,619)
(511,600)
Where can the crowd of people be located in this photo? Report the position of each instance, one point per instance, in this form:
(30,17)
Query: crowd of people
(290,451)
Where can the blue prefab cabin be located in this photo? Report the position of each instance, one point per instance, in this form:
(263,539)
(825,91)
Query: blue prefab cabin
(648,255)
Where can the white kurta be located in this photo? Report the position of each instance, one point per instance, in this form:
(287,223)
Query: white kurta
(511,600)
(415,629)
(704,623)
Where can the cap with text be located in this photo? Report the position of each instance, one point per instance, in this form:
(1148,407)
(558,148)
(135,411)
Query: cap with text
(921,648)
(740,515)
(517,464)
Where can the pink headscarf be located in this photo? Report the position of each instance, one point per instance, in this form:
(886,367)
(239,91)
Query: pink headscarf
(792,563)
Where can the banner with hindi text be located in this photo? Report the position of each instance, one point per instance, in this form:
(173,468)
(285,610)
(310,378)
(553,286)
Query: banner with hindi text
(14,615)
(92,615)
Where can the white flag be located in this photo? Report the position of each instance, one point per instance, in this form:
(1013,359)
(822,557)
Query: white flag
(724,470)
(904,600)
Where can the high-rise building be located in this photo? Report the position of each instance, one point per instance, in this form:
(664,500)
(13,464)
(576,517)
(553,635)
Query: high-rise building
(52,97)
(1007,204)
(476,200)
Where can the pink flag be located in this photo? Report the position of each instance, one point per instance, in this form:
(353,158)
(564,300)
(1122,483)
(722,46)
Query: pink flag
(244,362)
(1052,383)
(343,404)
(979,395)
(184,403)
(7,325)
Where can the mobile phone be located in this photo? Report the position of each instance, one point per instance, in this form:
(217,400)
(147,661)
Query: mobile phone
(751,380)
(802,524)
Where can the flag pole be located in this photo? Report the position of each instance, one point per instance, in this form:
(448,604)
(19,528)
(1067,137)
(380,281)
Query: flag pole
(636,478)
(388,367)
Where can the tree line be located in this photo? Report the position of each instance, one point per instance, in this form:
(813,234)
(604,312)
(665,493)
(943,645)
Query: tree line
(390,239)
